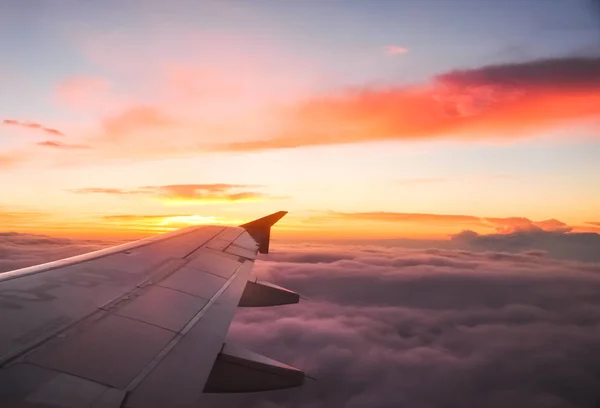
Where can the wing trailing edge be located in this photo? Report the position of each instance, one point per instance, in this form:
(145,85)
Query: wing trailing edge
(260,229)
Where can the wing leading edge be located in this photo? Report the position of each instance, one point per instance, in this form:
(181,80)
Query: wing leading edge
(139,325)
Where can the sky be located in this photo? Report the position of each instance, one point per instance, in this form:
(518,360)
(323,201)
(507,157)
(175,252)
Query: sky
(375,119)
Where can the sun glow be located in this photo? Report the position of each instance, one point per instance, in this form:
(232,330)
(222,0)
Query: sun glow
(189,220)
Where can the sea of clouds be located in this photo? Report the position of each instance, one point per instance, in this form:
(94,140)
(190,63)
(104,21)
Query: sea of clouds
(478,321)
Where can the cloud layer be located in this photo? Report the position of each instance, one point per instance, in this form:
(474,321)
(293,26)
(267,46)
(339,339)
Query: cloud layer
(21,250)
(392,326)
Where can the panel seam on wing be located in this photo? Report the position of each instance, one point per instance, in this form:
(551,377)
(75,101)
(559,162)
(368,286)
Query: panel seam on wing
(165,351)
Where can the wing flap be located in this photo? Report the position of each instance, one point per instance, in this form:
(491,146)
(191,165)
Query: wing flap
(261,294)
(240,370)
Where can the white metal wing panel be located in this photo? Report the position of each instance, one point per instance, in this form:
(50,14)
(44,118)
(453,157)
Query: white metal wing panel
(215,262)
(37,305)
(122,338)
(163,307)
(193,282)
(110,351)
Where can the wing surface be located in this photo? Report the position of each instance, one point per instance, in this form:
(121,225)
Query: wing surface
(138,325)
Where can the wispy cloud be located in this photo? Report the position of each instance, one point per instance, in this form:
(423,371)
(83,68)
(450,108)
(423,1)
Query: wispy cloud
(395,50)
(187,193)
(422,180)
(63,146)
(8,160)
(11,158)
(95,190)
(136,217)
(503,101)
(8,214)
(32,125)
(84,92)
(136,118)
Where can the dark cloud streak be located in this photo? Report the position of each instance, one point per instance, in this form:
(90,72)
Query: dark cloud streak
(573,73)
(32,125)
(504,101)
(63,146)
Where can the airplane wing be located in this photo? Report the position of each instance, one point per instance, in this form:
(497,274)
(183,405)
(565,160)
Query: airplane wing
(138,325)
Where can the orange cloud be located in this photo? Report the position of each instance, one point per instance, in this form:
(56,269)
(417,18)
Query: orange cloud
(405,217)
(500,225)
(186,193)
(506,101)
(512,224)
(136,217)
(7,160)
(8,215)
(422,180)
(12,158)
(32,125)
(12,219)
(395,50)
(64,146)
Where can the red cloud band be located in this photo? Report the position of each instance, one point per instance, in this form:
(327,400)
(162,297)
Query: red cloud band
(504,100)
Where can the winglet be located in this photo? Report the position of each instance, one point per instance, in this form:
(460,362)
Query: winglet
(260,230)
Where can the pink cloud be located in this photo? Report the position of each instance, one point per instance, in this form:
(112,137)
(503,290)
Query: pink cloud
(85,92)
(395,50)
(136,118)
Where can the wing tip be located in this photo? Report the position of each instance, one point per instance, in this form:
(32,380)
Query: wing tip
(260,229)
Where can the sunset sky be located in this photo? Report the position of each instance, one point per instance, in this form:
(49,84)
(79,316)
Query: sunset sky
(416,118)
